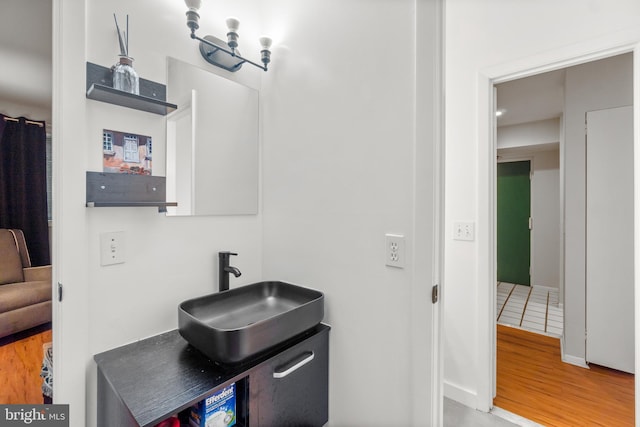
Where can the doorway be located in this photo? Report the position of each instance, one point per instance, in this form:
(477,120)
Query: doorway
(514,222)
(573,190)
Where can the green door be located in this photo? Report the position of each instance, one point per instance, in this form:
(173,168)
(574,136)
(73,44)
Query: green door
(514,210)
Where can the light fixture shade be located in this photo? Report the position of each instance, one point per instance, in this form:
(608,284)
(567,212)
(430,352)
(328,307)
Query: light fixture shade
(193,5)
(233,24)
(265,42)
(265,53)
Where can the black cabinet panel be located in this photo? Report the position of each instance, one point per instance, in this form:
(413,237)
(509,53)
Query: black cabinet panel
(293,387)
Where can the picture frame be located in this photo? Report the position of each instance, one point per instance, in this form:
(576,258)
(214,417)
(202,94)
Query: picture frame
(126,152)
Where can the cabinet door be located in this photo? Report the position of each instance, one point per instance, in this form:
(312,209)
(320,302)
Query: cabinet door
(292,388)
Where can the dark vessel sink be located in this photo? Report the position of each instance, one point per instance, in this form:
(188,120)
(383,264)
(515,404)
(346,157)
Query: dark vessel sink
(233,325)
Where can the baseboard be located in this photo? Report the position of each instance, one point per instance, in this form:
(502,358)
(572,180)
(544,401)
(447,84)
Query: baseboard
(514,418)
(460,395)
(572,360)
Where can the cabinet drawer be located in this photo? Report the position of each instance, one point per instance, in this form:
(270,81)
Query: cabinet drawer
(292,388)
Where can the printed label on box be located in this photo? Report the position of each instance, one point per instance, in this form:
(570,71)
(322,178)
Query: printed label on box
(217,410)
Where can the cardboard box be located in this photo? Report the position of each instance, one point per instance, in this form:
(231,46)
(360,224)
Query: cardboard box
(217,410)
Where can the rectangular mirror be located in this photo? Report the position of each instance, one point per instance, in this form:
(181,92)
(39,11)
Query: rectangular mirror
(212,143)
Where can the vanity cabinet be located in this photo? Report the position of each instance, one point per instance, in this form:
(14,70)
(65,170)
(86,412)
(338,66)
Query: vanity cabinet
(144,383)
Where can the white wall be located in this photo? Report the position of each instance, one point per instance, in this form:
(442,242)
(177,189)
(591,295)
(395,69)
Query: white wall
(545,194)
(167,259)
(25,78)
(498,37)
(30,111)
(526,134)
(593,86)
(25,86)
(340,151)
(175,255)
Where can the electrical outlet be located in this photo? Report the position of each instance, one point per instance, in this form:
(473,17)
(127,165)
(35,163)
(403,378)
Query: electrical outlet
(112,248)
(464,231)
(394,250)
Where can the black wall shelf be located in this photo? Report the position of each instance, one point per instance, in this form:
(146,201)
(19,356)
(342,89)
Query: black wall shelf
(152,97)
(121,190)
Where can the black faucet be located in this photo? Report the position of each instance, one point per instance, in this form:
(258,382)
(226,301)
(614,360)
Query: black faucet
(224,269)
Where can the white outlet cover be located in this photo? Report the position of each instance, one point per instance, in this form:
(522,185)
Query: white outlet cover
(395,250)
(112,248)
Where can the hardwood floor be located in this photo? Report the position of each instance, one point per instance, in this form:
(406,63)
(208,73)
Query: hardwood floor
(534,383)
(20,364)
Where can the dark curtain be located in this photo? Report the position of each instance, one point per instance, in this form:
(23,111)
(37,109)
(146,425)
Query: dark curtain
(23,184)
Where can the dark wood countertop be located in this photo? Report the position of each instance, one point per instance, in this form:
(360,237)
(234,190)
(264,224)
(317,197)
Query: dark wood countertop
(162,375)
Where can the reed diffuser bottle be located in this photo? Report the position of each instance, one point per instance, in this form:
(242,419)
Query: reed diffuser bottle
(125,77)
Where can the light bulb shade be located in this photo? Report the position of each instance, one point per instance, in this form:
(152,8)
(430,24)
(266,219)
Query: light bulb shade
(193,5)
(233,24)
(265,42)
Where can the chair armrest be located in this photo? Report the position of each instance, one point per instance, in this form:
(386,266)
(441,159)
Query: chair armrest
(33,274)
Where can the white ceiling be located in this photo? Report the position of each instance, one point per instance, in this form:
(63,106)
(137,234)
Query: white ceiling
(25,46)
(530,99)
(25,25)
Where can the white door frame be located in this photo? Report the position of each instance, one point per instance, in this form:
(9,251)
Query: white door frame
(562,58)
(70,242)
(428,215)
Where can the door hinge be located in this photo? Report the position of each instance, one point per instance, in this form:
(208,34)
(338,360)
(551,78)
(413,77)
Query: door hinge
(434,294)
(59,291)
(530,223)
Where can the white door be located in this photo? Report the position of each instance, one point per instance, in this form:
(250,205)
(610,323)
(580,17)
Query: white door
(609,239)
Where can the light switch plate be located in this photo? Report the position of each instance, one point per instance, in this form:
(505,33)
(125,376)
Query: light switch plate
(112,248)
(464,231)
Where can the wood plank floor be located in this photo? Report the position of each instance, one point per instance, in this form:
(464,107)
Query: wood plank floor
(534,383)
(20,364)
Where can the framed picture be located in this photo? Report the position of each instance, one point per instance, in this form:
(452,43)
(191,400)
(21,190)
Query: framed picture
(126,152)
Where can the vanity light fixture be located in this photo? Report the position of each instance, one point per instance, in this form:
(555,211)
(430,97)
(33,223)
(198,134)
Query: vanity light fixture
(220,53)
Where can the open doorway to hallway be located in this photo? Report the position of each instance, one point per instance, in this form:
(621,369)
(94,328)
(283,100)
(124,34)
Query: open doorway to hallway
(542,122)
(528,185)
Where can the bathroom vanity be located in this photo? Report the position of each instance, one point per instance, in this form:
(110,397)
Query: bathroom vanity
(144,383)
